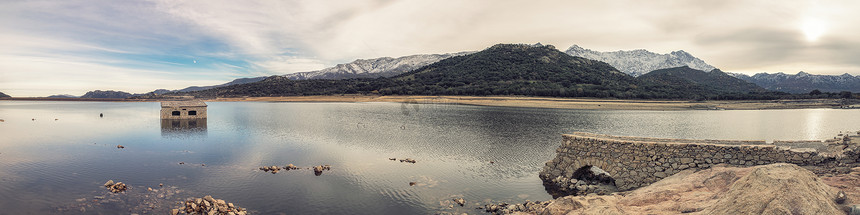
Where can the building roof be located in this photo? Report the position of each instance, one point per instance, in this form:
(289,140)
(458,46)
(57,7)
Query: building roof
(183,104)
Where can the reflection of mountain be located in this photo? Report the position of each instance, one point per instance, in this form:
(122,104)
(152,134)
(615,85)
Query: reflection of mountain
(183,127)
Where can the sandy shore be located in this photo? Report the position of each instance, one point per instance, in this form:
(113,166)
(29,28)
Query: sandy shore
(563,103)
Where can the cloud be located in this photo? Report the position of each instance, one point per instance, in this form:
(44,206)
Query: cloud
(42,76)
(160,39)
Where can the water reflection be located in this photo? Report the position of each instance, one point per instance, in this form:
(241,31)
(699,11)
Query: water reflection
(182,128)
(477,153)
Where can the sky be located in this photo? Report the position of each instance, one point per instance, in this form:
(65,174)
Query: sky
(74,46)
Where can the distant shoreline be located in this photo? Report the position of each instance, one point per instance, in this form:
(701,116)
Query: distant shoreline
(521,101)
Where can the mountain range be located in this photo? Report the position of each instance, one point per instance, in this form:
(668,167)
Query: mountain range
(374,68)
(508,69)
(63,96)
(803,82)
(640,61)
(107,94)
(198,88)
(3,95)
(634,62)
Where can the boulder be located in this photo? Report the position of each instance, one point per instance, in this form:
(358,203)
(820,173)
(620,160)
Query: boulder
(460,201)
(840,197)
(318,170)
(777,189)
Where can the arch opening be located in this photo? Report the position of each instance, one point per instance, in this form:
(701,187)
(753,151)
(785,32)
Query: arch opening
(587,179)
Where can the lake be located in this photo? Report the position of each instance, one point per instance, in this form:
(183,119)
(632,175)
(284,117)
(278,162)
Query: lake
(55,156)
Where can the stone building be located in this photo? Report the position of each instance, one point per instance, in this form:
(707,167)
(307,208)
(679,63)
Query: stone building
(183,110)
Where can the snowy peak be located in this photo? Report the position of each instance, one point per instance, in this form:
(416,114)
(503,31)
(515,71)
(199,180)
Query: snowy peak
(374,68)
(803,82)
(641,61)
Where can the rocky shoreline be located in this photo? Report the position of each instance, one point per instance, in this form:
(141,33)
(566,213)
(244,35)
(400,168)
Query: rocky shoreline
(766,189)
(700,177)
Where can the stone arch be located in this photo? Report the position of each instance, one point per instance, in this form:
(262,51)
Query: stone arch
(575,179)
(615,170)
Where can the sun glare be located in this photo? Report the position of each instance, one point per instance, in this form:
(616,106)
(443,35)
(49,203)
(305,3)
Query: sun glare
(813,29)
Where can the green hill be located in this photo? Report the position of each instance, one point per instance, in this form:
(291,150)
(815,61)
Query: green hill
(514,69)
(693,83)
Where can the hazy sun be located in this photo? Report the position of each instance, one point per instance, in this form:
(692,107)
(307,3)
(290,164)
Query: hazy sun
(813,29)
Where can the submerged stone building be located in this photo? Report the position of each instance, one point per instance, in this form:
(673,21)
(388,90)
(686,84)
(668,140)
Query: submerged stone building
(183,110)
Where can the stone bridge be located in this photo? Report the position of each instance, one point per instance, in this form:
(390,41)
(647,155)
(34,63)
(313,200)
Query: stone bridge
(632,162)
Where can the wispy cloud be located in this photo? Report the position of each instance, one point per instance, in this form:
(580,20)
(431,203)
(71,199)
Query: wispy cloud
(79,45)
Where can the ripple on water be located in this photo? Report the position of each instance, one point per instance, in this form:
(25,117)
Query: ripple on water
(45,163)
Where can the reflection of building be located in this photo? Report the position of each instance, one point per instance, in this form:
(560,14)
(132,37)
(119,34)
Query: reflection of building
(183,127)
(183,110)
(183,118)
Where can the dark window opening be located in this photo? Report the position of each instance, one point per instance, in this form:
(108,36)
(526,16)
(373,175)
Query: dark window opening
(175,113)
(192,113)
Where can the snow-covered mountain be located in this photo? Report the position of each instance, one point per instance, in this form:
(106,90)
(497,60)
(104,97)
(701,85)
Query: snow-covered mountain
(373,68)
(803,82)
(640,61)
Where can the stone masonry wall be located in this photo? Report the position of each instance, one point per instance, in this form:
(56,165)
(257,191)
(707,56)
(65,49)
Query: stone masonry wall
(635,162)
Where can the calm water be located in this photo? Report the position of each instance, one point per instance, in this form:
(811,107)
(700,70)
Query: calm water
(48,164)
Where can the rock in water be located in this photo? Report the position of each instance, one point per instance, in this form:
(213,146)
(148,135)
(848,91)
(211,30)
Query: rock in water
(120,146)
(777,189)
(460,201)
(209,205)
(318,170)
(117,187)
